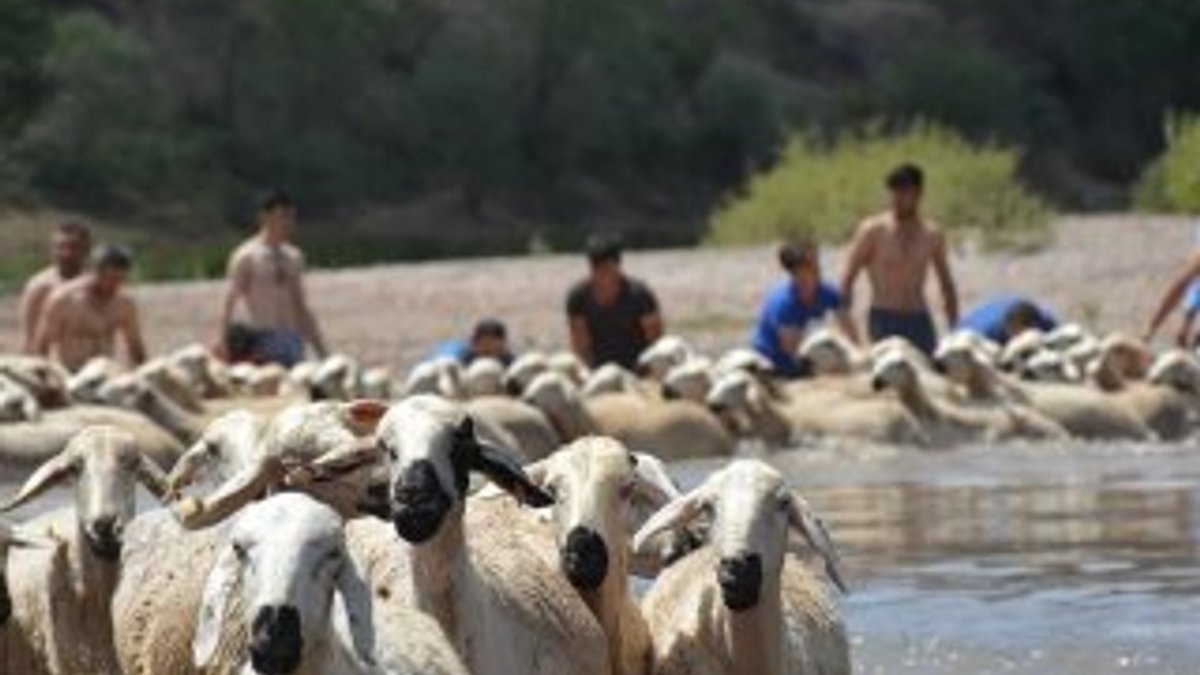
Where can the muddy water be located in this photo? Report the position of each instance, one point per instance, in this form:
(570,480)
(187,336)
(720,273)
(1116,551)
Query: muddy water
(1081,560)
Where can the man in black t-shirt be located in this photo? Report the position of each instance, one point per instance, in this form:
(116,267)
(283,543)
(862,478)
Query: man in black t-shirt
(612,317)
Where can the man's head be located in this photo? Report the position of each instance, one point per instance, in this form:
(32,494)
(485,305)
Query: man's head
(489,339)
(72,243)
(604,257)
(111,264)
(906,184)
(277,216)
(1019,318)
(801,259)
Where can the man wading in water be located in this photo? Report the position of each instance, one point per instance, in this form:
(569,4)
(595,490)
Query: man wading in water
(897,248)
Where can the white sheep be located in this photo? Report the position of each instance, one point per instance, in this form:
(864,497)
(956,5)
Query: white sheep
(296,446)
(17,404)
(471,564)
(570,365)
(612,378)
(442,376)
(516,424)
(27,444)
(522,370)
(207,376)
(831,354)
(667,352)
(289,584)
(742,605)
(690,380)
(484,377)
(750,409)
(43,378)
(14,537)
(61,594)
(742,358)
(600,489)
(667,429)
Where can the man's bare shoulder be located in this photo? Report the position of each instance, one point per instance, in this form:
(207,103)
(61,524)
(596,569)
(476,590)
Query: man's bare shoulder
(67,291)
(44,280)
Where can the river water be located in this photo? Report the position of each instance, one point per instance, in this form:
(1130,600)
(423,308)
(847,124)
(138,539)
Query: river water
(1065,560)
(1079,560)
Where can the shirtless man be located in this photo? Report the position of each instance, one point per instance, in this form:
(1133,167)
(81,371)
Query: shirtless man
(84,316)
(1182,287)
(267,274)
(897,248)
(72,243)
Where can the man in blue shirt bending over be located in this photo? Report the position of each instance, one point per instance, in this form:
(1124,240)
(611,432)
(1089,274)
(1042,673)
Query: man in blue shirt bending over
(794,303)
(1002,318)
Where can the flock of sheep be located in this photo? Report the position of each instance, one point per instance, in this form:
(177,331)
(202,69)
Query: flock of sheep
(324,519)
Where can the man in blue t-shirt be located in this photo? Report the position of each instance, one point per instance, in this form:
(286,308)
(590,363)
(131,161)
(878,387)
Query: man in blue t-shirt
(1002,318)
(792,304)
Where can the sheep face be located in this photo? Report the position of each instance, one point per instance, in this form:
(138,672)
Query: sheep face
(689,381)
(227,442)
(441,376)
(751,510)
(894,371)
(607,379)
(432,447)
(666,353)
(743,359)
(335,379)
(959,361)
(286,561)
(829,353)
(522,371)
(104,464)
(597,485)
(16,403)
(1177,369)
(570,366)
(46,380)
(1020,349)
(735,399)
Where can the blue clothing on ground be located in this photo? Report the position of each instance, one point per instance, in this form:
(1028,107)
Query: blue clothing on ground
(279,345)
(916,327)
(1191,302)
(987,318)
(460,350)
(783,308)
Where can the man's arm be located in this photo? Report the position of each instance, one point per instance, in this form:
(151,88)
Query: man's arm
(1170,299)
(1184,339)
(237,274)
(308,321)
(33,300)
(941,267)
(49,330)
(652,326)
(857,260)
(846,324)
(581,338)
(131,329)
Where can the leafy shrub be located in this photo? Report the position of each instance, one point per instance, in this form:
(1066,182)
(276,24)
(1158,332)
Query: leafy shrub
(1172,182)
(824,189)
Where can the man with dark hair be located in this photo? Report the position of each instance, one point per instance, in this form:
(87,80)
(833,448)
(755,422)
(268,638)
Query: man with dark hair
(489,339)
(612,317)
(83,317)
(1002,318)
(792,304)
(267,274)
(71,244)
(897,248)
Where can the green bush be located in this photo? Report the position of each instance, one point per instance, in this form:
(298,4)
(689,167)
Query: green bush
(1172,182)
(824,189)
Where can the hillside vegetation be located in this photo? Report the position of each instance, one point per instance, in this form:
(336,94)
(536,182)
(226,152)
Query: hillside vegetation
(422,128)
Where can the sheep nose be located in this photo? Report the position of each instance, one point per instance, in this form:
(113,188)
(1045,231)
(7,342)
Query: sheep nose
(275,641)
(878,384)
(104,536)
(939,367)
(740,579)
(585,559)
(419,504)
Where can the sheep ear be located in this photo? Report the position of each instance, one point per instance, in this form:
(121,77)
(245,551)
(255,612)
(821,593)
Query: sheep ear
(346,459)
(244,487)
(365,413)
(214,605)
(53,472)
(353,606)
(499,466)
(652,485)
(672,516)
(802,518)
(152,477)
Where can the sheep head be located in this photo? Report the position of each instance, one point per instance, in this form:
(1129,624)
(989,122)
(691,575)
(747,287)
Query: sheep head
(570,366)
(286,566)
(555,396)
(828,352)
(666,353)
(743,359)
(609,378)
(43,378)
(895,371)
(1020,349)
(751,511)
(336,379)
(523,370)
(440,376)
(484,377)
(433,447)
(960,358)
(599,489)
(690,381)
(737,399)
(104,463)
(1178,369)
(227,444)
(17,404)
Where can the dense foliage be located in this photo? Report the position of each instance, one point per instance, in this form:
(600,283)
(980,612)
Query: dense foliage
(1172,182)
(823,190)
(428,127)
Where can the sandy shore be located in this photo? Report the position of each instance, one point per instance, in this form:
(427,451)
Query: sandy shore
(1105,271)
